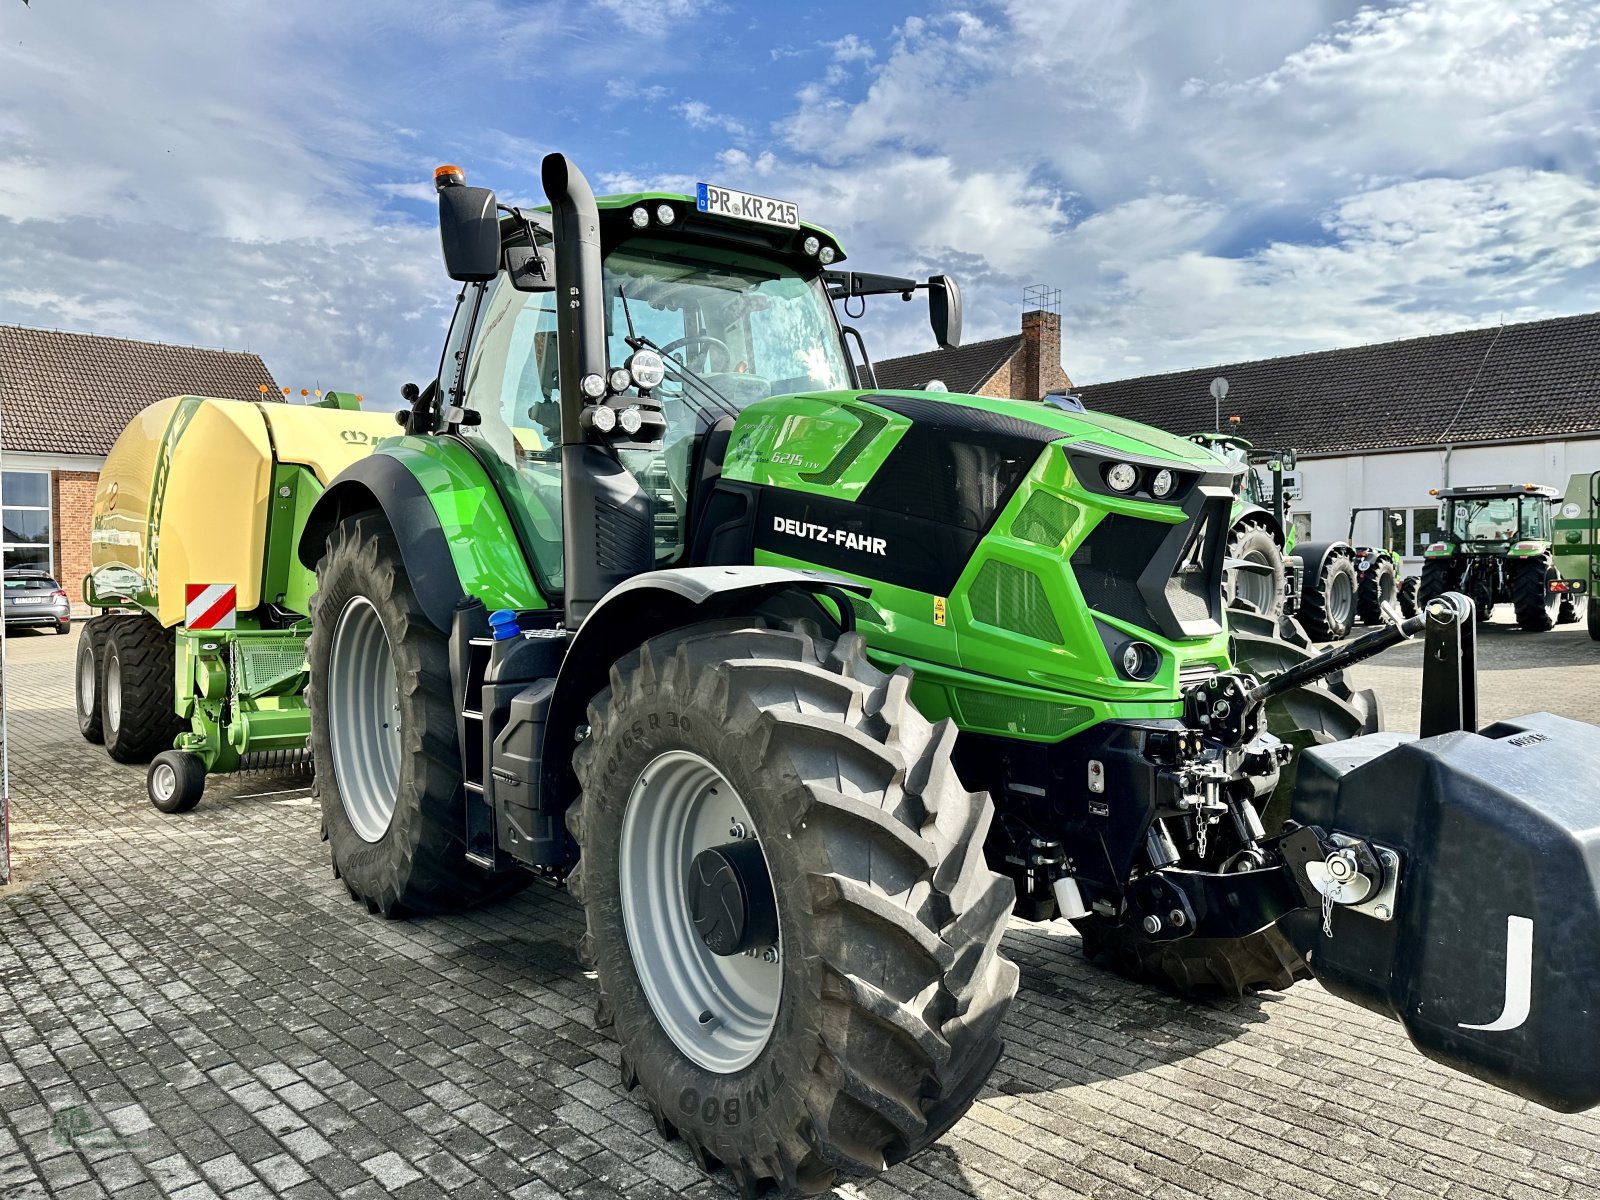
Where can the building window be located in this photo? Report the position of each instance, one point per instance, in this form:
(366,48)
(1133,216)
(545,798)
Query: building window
(1425,529)
(25,518)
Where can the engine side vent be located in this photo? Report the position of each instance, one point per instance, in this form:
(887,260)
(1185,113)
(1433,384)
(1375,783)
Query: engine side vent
(1195,673)
(866,612)
(871,426)
(1044,520)
(1012,598)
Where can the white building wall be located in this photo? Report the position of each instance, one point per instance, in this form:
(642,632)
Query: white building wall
(1331,487)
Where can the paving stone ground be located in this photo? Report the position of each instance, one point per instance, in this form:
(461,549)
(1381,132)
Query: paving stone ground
(192,1007)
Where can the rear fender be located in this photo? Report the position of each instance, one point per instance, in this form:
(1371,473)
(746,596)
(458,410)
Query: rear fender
(1315,556)
(636,611)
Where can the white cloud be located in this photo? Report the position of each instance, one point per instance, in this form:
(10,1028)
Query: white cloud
(700,115)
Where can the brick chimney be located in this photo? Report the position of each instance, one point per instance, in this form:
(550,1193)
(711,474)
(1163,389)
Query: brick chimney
(1038,364)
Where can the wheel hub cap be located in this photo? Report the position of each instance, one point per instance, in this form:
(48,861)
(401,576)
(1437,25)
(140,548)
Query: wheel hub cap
(730,898)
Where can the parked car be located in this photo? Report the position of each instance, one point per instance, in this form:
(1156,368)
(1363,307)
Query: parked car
(34,598)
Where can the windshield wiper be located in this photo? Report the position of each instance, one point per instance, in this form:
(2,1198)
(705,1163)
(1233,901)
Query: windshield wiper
(637,341)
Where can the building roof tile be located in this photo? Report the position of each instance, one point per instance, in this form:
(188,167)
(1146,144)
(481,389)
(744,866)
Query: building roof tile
(964,369)
(73,393)
(1538,379)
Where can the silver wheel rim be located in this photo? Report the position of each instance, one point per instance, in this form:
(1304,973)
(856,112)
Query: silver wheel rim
(719,1011)
(1341,599)
(1386,594)
(163,782)
(113,693)
(364,719)
(86,680)
(1253,587)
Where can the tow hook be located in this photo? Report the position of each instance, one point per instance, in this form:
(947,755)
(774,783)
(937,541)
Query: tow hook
(1336,870)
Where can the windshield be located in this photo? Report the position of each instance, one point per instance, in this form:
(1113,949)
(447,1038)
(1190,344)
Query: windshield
(1500,518)
(748,328)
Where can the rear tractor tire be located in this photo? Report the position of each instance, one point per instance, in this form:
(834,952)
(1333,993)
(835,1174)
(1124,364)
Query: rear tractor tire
(1439,575)
(1376,591)
(1591,612)
(1536,606)
(796,934)
(1329,607)
(176,781)
(1263,593)
(136,690)
(383,735)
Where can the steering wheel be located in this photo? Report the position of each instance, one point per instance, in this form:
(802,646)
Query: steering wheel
(709,342)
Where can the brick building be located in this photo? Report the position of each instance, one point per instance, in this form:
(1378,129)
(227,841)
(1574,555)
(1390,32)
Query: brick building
(64,399)
(1019,366)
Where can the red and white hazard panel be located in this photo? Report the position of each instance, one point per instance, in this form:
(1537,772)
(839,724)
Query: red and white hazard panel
(210,605)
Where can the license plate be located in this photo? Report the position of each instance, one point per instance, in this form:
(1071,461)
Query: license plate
(26,600)
(725,202)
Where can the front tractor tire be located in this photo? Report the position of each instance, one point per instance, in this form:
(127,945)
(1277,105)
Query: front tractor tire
(1195,968)
(794,928)
(383,734)
(1263,590)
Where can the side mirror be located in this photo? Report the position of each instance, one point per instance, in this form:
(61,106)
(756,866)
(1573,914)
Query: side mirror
(469,232)
(1290,460)
(944,311)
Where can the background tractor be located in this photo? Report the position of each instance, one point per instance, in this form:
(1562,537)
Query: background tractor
(804,687)
(197,663)
(1498,547)
(1264,574)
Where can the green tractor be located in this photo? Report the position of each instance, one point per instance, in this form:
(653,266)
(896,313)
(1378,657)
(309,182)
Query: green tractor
(1264,574)
(1499,547)
(1352,582)
(804,687)
(1577,539)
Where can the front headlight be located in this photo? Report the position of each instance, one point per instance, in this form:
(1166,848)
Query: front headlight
(1121,477)
(647,369)
(1140,660)
(1161,486)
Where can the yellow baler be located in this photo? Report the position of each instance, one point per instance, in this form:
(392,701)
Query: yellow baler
(197,661)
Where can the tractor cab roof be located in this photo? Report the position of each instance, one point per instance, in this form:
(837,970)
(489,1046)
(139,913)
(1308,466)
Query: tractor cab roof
(1479,491)
(804,244)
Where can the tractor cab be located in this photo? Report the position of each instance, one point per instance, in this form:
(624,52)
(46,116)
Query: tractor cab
(1491,517)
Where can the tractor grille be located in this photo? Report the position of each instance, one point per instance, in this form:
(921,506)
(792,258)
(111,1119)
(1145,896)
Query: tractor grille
(263,663)
(1044,520)
(1180,565)
(1195,673)
(1009,597)
(1040,718)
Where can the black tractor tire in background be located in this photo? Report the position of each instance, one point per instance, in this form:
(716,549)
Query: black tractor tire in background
(138,721)
(1327,611)
(1592,616)
(892,987)
(64,627)
(1254,543)
(418,864)
(1439,575)
(1410,596)
(1568,612)
(1375,589)
(86,675)
(1537,607)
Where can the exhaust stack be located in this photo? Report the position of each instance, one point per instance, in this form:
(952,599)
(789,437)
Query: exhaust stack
(607,530)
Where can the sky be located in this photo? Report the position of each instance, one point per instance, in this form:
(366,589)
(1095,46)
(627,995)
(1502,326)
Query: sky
(1204,181)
